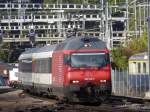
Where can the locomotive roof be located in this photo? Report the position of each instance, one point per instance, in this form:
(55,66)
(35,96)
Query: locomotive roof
(44,52)
(46,48)
(79,42)
(73,43)
(31,50)
(27,53)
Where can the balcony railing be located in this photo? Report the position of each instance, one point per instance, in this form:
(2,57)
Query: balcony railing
(49,6)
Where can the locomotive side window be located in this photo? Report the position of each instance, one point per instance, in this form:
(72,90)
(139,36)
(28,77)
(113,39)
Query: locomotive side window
(25,65)
(66,59)
(89,60)
(43,65)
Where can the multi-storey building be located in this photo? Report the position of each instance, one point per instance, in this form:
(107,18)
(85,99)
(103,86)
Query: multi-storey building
(52,23)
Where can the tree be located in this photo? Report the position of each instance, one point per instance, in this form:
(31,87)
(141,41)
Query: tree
(4,55)
(119,58)
(121,54)
(139,44)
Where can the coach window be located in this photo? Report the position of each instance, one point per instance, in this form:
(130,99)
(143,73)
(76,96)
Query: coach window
(139,67)
(49,62)
(43,66)
(26,65)
(36,66)
(144,67)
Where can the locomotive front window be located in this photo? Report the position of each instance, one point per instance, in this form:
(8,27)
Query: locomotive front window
(89,60)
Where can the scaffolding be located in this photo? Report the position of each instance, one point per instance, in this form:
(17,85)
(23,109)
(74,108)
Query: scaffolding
(52,21)
(134,16)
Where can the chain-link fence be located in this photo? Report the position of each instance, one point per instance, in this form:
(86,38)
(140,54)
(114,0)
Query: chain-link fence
(133,85)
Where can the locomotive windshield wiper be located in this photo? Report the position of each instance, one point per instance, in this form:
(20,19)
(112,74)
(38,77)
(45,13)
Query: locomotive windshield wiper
(84,65)
(88,66)
(101,65)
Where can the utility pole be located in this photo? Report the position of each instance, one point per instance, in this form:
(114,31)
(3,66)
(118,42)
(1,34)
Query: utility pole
(135,21)
(60,16)
(127,21)
(9,16)
(1,38)
(32,33)
(107,26)
(149,40)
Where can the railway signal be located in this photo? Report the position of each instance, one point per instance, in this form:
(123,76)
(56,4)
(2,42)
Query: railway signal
(32,37)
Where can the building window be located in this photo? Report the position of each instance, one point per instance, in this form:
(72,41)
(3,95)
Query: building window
(37,6)
(71,6)
(12,27)
(44,5)
(94,16)
(30,6)
(15,6)
(36,27)
(64,6)
(57,6)
(50,6)
(91,34)
(2,6)
(120,34)
(87,16)
(16,36)
(43,17)
(96,34)
(54,16)
(78,6)
(50,16)
(37,17)
(46,27)
(114,34)
(92,6)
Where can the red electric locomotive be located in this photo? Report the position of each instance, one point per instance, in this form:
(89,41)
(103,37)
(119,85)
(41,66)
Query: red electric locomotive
(77,69)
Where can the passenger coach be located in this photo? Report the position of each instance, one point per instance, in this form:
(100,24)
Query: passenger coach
(77,69)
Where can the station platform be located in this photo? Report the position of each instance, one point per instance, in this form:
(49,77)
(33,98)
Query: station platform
(5,89)
(147,95)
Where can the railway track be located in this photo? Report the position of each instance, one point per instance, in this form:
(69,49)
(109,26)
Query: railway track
(113,104)
(17,101)
(88,108)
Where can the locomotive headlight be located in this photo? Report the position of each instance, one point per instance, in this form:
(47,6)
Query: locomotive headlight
(75,81)
(102,81)
(87,45)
